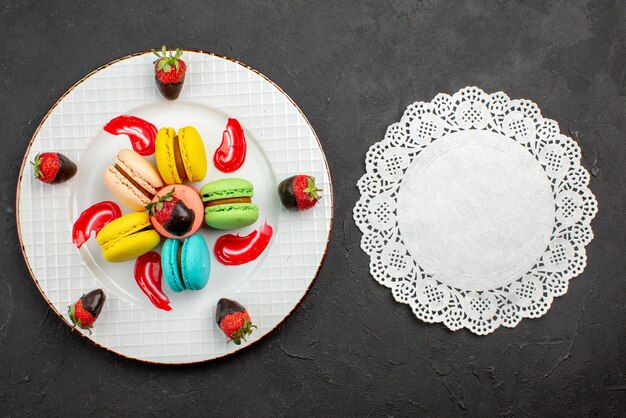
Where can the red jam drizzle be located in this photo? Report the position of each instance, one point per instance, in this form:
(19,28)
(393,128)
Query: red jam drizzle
(231,154)
(233,250)
(140,132)
(93,219)
(148,276)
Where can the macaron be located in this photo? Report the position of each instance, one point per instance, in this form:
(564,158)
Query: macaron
(127,237)
(176,211)
(228,204)
(132,180)
(180,157)
(186,264)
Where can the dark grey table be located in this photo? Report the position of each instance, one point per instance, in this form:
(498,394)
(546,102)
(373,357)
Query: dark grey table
(348,349)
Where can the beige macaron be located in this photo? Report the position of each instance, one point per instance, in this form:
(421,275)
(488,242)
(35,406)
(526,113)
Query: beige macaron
(132,180)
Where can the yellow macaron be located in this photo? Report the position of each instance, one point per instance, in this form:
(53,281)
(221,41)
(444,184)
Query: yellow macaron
(180,157)
(127,237)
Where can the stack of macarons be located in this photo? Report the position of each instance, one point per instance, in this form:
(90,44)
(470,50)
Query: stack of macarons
(174,210)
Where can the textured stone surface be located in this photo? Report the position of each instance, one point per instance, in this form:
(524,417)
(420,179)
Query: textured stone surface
(349,348)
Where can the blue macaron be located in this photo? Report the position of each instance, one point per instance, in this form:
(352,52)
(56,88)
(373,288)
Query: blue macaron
(186,265)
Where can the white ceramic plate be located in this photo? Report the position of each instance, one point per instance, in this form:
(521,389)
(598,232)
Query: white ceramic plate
(281,143)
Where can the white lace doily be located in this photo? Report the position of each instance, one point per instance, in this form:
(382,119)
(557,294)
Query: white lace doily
(475,210)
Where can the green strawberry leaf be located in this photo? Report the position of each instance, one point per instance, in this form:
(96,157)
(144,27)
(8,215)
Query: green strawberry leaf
(240,334)
(153,207)
(312,190)
(71,311)
(168,60)
(37,166)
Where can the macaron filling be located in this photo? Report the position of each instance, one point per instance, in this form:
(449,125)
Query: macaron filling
(178,160)
(139,231)
(227,201)
(146,228)
(133,182)
(179,262)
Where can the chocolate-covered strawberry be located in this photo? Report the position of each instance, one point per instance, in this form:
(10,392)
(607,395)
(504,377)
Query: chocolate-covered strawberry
(234,320)
(169,72)
(53,167)
(172,213)
(86,309)
(299,192)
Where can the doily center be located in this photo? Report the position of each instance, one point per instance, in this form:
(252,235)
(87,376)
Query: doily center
(475,210)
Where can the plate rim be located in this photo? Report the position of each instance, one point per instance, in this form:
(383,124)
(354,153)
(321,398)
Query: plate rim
(25,160)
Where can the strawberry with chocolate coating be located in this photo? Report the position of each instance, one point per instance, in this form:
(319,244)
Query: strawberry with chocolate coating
(169,72)
(172,213)
(86,310)
(234,320)
(53,167)
(299,192)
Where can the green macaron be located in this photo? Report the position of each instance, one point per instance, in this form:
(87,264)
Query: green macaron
(228,204)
